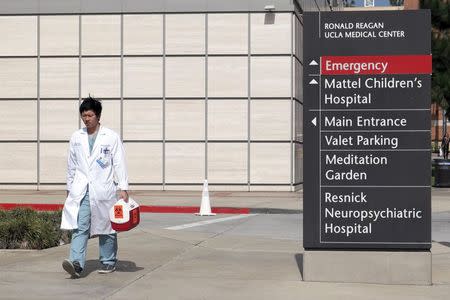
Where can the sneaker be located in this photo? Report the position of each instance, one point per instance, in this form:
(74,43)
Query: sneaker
(105,269)
(73,268)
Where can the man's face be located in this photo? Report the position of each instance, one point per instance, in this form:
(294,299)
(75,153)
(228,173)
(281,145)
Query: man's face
(90,120)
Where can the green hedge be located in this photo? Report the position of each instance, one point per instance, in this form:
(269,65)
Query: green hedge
(24,228)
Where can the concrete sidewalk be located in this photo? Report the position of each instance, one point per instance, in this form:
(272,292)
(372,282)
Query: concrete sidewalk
(157,263)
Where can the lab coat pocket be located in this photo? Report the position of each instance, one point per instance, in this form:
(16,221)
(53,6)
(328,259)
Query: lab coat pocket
(79,185)
(107,191)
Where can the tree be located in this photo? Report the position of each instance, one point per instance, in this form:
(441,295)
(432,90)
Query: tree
(349,3)
(440,48)
(396,2)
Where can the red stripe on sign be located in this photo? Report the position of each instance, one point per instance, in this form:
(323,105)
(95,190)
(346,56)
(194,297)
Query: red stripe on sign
(366,65)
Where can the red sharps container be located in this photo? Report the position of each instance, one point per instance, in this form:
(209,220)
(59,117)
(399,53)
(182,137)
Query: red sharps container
(124,216)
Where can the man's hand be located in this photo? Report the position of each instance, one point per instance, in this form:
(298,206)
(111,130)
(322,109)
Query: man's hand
(123,195)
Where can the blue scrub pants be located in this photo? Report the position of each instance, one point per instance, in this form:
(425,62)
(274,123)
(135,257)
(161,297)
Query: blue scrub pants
(80,237)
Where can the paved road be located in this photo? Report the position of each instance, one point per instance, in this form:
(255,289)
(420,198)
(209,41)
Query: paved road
(271,226)
(178,256)
(440,227)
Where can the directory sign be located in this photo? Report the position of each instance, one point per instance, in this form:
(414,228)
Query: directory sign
(366,122)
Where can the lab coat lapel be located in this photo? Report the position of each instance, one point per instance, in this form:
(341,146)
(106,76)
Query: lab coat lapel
(95,149)
(85,144)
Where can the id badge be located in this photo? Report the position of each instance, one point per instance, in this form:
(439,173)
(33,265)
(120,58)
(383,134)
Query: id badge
(103,161)
(105,158)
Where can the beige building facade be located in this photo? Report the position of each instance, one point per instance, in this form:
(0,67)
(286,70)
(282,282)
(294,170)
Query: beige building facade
(201,90)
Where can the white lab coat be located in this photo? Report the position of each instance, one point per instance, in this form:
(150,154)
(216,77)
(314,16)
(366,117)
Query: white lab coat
(97,171)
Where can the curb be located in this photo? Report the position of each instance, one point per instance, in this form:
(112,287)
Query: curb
(165,209)
(142,208)
(275,211)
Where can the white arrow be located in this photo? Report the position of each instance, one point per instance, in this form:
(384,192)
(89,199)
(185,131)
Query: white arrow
(313,81)
(314,121)
(313,63)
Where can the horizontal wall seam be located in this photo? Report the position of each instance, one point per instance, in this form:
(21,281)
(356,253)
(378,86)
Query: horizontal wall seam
(143,55)
(159,183)
(224,98)
(160,141)
(29,14)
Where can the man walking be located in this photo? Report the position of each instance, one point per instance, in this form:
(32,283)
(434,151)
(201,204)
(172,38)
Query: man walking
(96,154)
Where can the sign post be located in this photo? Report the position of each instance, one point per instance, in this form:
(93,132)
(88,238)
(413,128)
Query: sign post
(367,161)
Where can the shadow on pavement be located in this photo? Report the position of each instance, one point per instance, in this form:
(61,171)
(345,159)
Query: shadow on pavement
(447,244)
(121,266)
(299,259)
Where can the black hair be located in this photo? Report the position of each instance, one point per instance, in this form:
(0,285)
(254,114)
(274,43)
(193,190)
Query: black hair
(93,104)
